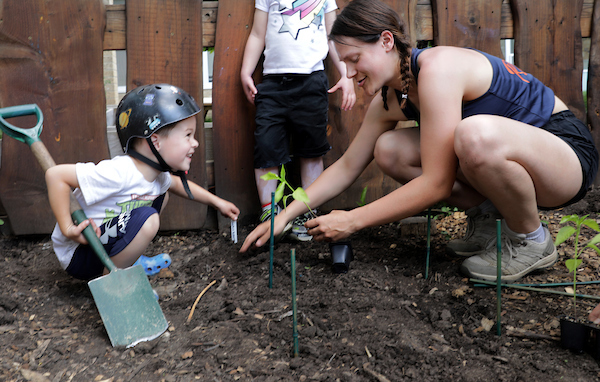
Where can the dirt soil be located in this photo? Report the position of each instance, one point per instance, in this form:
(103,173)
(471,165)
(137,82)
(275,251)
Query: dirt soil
(382,321)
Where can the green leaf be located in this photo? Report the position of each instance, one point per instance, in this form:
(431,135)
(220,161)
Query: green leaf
(595,240)
(573,264)
(592,246)
(285,198)
(363,196)
(282,173)
(569,218)
(300,195)
(592,224)
(564,233)
(279,192)
(269,176)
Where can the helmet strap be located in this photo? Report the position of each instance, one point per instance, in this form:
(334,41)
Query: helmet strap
(161,166)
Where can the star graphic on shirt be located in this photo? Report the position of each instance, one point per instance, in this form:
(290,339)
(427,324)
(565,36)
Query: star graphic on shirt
(292,24)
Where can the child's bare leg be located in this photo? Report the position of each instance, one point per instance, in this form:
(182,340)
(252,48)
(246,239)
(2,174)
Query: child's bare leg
(265,187)
(138,245)
(310,169)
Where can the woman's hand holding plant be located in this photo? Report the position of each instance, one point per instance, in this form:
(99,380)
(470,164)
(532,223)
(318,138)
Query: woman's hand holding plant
(335,226)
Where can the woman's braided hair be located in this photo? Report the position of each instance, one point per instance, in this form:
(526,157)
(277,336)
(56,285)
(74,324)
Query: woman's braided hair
(365,20)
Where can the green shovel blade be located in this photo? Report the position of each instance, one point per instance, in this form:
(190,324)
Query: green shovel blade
(128,307)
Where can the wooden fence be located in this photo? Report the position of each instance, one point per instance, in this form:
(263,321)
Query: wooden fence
(53,57)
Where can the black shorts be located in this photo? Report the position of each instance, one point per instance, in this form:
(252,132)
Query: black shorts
(290,107)
(571,130)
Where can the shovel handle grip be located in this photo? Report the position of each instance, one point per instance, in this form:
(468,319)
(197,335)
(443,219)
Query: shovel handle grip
(29,135)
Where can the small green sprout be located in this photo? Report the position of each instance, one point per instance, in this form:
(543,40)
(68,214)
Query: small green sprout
(363,197)
(298,193)
(565,233)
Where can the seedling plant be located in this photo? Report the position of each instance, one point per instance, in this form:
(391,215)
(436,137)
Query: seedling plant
(298,193)
(568,231)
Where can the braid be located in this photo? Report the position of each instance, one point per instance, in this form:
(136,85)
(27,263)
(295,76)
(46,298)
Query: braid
(384,96)
(403,47)
(405,76)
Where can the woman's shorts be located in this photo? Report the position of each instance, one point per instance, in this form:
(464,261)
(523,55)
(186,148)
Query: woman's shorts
(571,130)
(116,234)
(290,107)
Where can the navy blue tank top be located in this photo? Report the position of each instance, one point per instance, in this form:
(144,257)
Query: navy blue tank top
(513,94)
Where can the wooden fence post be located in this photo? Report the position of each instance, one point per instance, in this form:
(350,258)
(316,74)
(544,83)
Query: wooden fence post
(51,56)
(164,45)
(548,45)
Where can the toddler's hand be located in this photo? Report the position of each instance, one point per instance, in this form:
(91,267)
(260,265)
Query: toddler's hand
(228,209)
(348,95)
(75,232)
(249,88)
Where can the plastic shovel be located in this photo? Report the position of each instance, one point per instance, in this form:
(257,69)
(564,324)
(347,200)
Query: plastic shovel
(124,297)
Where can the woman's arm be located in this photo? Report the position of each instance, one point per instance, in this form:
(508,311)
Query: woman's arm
(440,92)
(340,175)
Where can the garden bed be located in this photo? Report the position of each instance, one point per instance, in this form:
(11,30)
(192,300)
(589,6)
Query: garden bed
(381,321)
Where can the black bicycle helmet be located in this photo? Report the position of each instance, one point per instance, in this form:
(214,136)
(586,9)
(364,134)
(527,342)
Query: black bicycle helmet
(145,110)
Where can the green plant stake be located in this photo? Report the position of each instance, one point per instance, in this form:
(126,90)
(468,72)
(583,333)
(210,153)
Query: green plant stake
(294,308)
(271,240)
(298,193)
(428,243)
(498,276)
(566,232)
(482,283)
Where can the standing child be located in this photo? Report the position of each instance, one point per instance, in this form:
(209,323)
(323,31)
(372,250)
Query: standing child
(291,102)
(123,197)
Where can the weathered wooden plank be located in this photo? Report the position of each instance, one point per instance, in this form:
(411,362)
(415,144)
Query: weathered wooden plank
(40,41)
(164,45)
(233,115)
(548,45)
(209,22)
(115,37)
(423,28)
(593,89)
(470,23)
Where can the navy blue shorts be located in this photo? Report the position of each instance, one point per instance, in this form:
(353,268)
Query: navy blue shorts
(571,130)
(290,107)
(116,234)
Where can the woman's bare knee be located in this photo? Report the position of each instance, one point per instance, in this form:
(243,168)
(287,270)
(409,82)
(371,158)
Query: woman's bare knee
(474,142)
(397,155)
